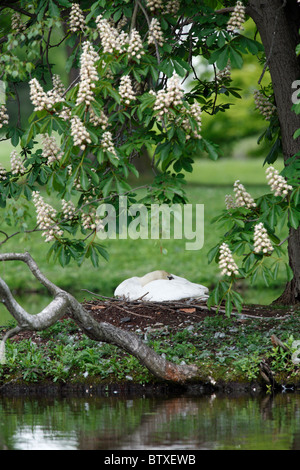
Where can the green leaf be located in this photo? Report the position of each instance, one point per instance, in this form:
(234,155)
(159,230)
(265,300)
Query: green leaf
(211,150)
(228,305)
(296,134)
(294,217)
(212,253)
(236,58)
(289,272)
(84,181)
(53,10)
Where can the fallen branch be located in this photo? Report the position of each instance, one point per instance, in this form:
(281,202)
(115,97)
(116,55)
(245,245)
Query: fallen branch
(65,304)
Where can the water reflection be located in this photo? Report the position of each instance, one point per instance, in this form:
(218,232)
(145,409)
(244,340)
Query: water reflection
(207,422)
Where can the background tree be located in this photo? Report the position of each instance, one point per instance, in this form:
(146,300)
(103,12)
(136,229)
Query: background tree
(132,60)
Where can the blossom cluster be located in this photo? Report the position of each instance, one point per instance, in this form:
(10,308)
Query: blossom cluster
(3,116)
(101,120)
(224,74)
(110,38)
(45,218)
(58,90)
(79,133)
(242,198)
(195,113)
(2,173)
(89,219)
(154,4)
(135,48)
(237,17)
(88,74)
(77,21)
(125,89)
(263,104)
(171,96)
(17,165)
(262,243)
(155,33)
(169,7)
(230,202)
(226,262)
(277,182)
(68,209)
(41,99)
(16,23)
(50,150)
(107,143)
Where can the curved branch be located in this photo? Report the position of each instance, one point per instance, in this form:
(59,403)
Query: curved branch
(65,303)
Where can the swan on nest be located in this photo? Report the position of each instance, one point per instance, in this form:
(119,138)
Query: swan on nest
(160,286)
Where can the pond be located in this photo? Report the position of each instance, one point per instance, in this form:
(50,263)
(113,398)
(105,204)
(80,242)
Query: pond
(212,422)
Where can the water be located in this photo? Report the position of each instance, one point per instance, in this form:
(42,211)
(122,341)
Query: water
(185,423)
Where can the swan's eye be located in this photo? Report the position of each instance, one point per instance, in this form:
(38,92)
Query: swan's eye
(170,278)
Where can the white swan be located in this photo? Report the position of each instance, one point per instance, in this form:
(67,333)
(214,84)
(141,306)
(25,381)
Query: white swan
(160,286)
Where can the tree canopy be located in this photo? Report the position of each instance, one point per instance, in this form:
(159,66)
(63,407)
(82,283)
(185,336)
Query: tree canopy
(123,92)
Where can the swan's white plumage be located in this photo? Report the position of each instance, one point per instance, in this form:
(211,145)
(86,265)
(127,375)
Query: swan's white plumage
(160,286)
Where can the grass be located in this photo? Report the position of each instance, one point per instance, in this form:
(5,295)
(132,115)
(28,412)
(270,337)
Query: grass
(207,185)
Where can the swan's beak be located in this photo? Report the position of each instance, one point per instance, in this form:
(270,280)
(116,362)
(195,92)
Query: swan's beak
(170,277)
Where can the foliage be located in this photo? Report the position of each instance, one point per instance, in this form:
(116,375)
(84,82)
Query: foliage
(130,60)
(63,354)
(275,212)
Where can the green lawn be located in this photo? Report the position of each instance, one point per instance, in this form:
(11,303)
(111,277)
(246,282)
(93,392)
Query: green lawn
(208,185)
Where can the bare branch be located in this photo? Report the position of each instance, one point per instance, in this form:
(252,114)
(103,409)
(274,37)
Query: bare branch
(65,303)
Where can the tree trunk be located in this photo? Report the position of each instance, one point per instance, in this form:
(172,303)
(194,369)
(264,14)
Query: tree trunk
(278,23)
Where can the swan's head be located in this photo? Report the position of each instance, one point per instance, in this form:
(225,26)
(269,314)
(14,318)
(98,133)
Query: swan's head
(155,275)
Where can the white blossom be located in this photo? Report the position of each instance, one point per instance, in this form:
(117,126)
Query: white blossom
(68,209)
(125,89)
(77,21)
(107,143)
(65,113)
(41,99)
(58,90)
(277,182)
(226,262)
(237,18)
(195,112)
(16,23)
(230,202)
(263,104)
(172,96)
(88,74)
(109,36)
(3,116)
(16,162)
(171,7)
(89,218)
(50,150)
(2,173)
(135,48)
(79,133)
(45,218)
(101,120)
(242,198)
(224,74)
(155,33)
(154,4)
(38,96)
(262,243)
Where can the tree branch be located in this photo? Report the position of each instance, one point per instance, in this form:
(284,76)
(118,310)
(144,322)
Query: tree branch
(65,303)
